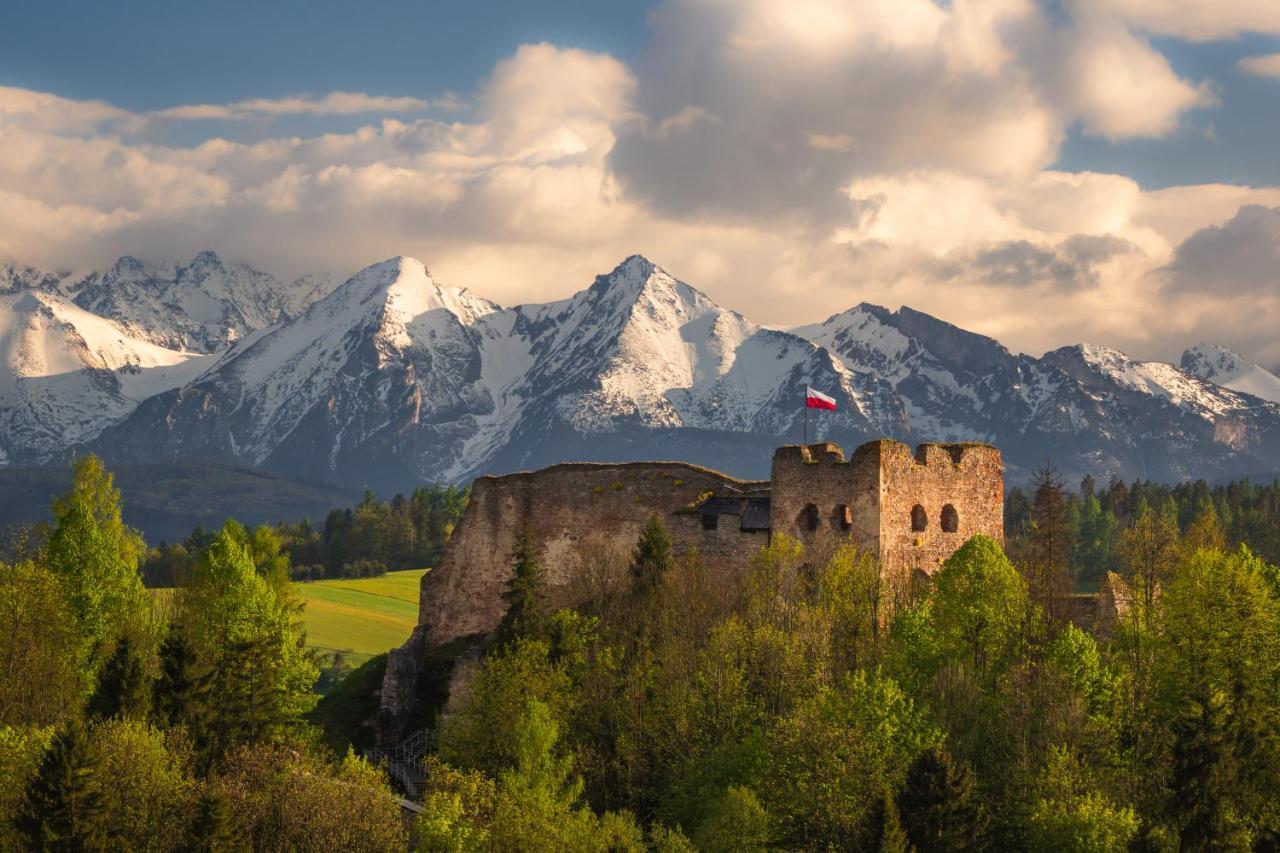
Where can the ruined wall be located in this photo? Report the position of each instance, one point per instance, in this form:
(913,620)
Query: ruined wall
(967,477)
(566,507)
(817,475)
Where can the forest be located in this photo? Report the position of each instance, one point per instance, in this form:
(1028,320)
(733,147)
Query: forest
(808,701)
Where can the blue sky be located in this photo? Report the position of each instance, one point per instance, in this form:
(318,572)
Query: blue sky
(148,55)
(1061,170)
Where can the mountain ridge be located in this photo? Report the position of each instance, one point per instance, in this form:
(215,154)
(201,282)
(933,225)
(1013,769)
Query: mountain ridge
(390,378)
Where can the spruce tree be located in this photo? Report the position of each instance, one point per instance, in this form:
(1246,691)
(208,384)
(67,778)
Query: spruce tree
(122,685)
(525,614)
(1048,545)
(938,806)
(886,832)
(213,830)
(652,560)
(63,808)
(174,691)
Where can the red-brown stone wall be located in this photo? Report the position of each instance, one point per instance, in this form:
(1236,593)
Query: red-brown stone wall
(969,477)
(566,507)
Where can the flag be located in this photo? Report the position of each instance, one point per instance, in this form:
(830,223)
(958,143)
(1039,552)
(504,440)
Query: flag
(817,400)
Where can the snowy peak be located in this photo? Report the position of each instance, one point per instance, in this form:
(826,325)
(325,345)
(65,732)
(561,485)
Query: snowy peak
(1221,366)
(66,374)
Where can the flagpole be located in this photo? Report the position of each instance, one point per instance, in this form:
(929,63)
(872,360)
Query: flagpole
(806,417)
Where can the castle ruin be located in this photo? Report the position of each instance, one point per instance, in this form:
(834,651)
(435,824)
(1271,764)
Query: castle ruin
(912,510)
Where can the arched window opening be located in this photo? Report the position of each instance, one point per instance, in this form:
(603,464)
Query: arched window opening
(844,516)
(809,518)
(919,520)
(950,519)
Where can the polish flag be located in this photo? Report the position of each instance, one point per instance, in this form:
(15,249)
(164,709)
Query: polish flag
(817,400)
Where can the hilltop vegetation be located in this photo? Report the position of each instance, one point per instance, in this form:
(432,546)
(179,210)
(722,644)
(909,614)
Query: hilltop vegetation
(805,702)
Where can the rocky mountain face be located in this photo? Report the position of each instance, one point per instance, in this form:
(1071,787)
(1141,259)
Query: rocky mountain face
(201,306)
(391,379)
(1223,367)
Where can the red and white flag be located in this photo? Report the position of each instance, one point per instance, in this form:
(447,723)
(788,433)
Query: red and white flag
(817,400)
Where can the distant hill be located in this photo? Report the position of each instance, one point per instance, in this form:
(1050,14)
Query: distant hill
(165,501)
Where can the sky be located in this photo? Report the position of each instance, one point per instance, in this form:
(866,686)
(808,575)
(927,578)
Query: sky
(1043,171)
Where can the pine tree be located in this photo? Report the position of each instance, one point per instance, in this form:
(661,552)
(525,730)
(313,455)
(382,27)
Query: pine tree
(63,808)
(213,830)
(1048,544)
(938,805)
(122,685)
(525,614)
(652,560)
(174,691)
(886,832)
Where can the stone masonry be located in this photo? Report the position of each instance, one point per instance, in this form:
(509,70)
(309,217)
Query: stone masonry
(913,510)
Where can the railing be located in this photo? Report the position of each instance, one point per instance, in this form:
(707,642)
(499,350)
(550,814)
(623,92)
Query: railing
(404,760)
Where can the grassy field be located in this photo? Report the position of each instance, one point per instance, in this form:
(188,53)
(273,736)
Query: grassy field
(362,617)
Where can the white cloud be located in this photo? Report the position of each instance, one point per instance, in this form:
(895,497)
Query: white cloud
(791,160)
(1263,66)
(334,103)
(1194,20)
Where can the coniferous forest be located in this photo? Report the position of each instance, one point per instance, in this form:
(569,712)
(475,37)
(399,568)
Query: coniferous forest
(809,702)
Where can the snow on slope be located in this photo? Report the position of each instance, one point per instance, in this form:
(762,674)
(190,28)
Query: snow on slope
(1223,367)
(67,374)
(389,329)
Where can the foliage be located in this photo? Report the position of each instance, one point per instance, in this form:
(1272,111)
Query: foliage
(478,732)
(343,714)
(123,686)
(524,596)
(1215,696)
(979,607)
(735,822)
(21,751)
(652,559)
(939,804)
(64,807)
(282,796)
(40,675)
(250,657)
(1073,816)
(832,756)
(95,557)
(151,794)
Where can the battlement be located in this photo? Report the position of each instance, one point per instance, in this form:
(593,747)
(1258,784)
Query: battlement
(911,509)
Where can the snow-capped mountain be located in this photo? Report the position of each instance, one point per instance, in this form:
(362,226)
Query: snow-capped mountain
(66,373)
(1223,367)
(394,377)
(391,379)
(203,305)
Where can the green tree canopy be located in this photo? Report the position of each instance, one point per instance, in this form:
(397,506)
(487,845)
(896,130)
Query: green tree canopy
(96,558)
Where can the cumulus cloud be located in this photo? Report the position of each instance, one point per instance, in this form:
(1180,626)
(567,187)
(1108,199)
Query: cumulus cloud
(1263,66)
(790,159)
(757,108)
(1194,20)
(1239,257)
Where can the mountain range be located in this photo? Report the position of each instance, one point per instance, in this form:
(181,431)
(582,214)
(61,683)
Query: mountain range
(390,379)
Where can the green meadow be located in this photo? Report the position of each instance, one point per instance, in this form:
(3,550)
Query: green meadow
(360,617)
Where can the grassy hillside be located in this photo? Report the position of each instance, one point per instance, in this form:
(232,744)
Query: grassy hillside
(361,617)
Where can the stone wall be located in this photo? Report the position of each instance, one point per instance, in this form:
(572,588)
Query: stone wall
(814,483)
(567,507)
(967,477)
(580,514)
